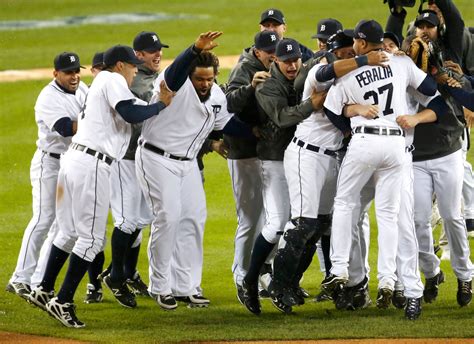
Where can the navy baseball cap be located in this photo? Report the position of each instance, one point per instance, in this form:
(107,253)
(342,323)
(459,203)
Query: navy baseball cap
(66,62)
(266,41)
(326,28)
(120,53)
(288,49)
(369,30)
(98,60)
(272,14)
(341,39)
(148,41)
(393,37)
(427,16)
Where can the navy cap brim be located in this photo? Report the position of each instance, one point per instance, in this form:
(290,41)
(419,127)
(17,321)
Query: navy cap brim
(289,57)
(278,20)
(68,69)
(135,61)
(320,36)
(153,49)
(426,20)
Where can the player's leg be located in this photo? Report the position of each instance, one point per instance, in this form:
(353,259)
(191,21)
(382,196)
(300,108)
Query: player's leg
(468,193)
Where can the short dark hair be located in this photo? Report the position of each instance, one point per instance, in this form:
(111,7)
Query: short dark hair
(205,59)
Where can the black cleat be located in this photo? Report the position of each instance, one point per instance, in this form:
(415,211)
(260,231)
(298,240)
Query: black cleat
(464,294)
(194,301)
(344,299)
(93,295)
(64,312)
(280,305)
(398,299)
(240,294)
(431,287)
(166,302)
(39,298)
(413,308)
(334,284)
(251,300)
(324,295)
(360,297)
(121,292)
(23,290)
(137,286)
(384,298)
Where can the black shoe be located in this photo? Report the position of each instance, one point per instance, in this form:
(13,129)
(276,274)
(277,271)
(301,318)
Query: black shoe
(240,294)
(303,292)
(361,298)
(398,299)
(324,295)
(137,286)
(93,295)
(263,294)
(39,297)
(194,301)
(464,294)
(413,308)
(64,312)
(167,302)
(384,298)
(104,273)
(250,295)
(23,290)
(344,299)
(299,294)
(121,292)
(334,284)
(470,225)
(431,287)
(280,305)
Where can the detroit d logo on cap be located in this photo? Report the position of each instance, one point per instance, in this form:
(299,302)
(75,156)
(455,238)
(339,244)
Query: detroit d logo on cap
(425,15)
(289,47)
(323,27)
(273,38)
(270,13)
(72,59)
(154,38)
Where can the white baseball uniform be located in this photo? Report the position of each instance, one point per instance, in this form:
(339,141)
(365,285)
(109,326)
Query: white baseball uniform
(83,182)
(53,103)
(377,149)
(169,176)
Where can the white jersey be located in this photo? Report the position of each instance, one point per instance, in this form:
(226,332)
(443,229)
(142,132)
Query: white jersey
(52,104)
(414,100)
(181,128)
(317,129)
(100,126)
(385,86)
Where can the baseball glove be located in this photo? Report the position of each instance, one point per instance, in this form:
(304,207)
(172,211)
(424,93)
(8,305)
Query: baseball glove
(419,53)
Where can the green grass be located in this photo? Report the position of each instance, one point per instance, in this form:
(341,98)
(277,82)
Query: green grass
(225,319)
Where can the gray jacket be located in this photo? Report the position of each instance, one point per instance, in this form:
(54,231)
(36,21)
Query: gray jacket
(142,87)
(241,101)
(280,109)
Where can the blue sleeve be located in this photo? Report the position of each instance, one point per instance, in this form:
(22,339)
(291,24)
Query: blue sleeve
(428,87)
(133,113)
(236,127)
(325,73)
(177,73)
(64,127)
(470,79)
(439,106)
(463,97)
(340,122)
(306,53)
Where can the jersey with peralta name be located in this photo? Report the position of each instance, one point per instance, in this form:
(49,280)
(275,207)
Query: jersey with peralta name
(100,126)
(317,129)
(382,86)
(182,126)
(54,103)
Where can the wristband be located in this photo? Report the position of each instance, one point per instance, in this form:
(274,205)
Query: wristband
(362,60)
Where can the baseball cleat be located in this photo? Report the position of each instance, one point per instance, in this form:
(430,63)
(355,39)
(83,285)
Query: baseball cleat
(303,292)
(324,295)
(398,299)
(194,301)
(361,298)
(137,285)
(39,298)
(251,300)
(413,308)
(64,312)
(334,284)
(104,273)
(20,289)
(344,299)
(240,294)
(263,294)
(166,302)
(384,298)
(464,294)
(121,292)
(280,305)
(92,295)
(431,287)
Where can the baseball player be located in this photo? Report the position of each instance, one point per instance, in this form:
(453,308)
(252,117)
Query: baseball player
(129,209)
(325,29)
(377,149)
(169,175)
(56,111)
(244,166)
(279,112)
(97,63)
(83,183)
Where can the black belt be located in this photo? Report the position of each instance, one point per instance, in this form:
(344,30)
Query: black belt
(52,155)
(379,131)
(160,151)
(313,148)
(108,160)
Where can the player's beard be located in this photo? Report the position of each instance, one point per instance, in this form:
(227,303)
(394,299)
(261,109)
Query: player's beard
(204,98)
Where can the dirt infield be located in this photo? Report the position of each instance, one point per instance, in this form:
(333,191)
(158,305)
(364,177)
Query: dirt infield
(7,337)
(226,62)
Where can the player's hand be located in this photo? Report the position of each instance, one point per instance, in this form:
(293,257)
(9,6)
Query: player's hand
(368,111)
(407,121)
(454,67)
(166,95)
(399,53)
(205,41)
(318,98)
(377,58)
(259,77)
(220,148)
(451,82)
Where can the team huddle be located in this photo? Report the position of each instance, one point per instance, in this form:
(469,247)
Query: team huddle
(310,138)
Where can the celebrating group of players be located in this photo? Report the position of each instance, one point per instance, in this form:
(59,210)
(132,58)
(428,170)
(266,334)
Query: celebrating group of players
(310,139)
